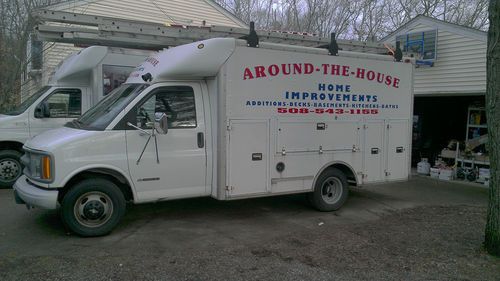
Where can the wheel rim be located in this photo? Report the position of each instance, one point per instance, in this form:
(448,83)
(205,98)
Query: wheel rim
(10,169)
(331,190)
(93,209)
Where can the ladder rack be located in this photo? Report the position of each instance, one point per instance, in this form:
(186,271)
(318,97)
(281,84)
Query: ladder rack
(81,29)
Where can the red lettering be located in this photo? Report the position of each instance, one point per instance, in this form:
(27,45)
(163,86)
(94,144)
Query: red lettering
(152,61)
(388,80)
(380,77)
(273,70)
(345,70)
(325,68)
(370,75)
(309,68)
(285,70)
(247,74)
(335,69)
(395,84)
(260,71)
(297,68)
(360,73)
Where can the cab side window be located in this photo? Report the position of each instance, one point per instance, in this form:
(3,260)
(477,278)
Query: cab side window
(65,103)
(177,102)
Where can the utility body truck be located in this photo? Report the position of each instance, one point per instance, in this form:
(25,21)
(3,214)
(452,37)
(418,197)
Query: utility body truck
(78,83)
(224,119)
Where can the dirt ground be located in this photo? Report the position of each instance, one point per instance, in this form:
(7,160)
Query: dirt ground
(419,230)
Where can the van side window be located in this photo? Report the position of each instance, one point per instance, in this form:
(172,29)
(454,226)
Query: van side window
(177,102)
(66,103)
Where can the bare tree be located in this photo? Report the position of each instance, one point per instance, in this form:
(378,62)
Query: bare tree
(355,19)
(15,28)
(492,232)
(468,13)
(371,19)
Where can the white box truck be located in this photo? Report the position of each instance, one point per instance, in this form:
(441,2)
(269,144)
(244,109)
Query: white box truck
(78,83)
(219,118)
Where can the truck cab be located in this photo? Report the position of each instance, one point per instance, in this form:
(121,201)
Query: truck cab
(79,82)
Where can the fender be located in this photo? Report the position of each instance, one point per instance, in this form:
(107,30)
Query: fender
(329,164)
(101,166)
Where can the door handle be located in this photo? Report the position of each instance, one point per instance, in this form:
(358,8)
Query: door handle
(201,140)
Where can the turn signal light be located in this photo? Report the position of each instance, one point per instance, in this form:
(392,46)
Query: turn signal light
(46,171)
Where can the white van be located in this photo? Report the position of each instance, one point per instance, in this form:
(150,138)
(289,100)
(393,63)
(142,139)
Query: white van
(79,82)
(218,118)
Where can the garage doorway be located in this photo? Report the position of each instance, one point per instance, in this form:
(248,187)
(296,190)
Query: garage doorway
(437,120)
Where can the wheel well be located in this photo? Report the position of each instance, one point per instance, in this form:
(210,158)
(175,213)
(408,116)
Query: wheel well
(108,174)
(348,172)
(14,145)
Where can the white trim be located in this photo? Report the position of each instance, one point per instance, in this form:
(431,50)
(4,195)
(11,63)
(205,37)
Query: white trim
(68,5)
(226,13)
(437,24)
(448,94)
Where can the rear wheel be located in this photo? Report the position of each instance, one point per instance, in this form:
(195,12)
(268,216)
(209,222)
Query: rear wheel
(10,167)
(93,207)
(331,190)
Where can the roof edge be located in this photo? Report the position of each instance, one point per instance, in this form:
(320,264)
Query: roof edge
(68,4)
(452,27)
(227,13)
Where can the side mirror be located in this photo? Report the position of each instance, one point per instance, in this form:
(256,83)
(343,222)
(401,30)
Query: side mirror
(42,110)
(161,123)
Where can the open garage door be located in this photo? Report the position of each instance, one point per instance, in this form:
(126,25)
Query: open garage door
(437,120)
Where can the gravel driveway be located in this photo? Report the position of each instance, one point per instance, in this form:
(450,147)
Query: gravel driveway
(417,230)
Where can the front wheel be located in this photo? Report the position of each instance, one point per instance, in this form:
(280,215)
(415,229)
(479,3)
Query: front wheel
(10,167)
(93,207)
(330,191)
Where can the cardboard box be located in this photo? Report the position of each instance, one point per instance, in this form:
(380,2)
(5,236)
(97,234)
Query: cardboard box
(445,174)
(434,173)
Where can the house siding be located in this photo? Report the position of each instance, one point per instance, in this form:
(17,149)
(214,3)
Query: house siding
(460,67)
(188,12)
(53,54)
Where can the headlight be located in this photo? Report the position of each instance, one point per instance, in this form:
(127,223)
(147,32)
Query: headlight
(40,166)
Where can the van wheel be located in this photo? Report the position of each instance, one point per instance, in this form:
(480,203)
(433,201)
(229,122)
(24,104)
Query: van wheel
(10,167)
(331,190)
(93,207)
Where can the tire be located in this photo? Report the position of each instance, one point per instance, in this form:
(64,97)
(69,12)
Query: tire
(10,167)
(471,176)
(330,191)
(93,207)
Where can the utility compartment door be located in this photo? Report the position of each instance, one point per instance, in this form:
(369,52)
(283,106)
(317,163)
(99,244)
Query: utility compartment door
(397,149)
(248,157)
(373,151)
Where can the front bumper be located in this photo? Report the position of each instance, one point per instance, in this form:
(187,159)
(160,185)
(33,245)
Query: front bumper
(34,196)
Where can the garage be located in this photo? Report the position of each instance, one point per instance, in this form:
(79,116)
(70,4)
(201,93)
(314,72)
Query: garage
(449,96)
(437,121)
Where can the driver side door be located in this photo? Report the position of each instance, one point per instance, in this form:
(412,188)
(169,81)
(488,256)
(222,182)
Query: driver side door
(176,165)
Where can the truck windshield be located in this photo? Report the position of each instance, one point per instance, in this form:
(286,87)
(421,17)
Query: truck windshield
(101,115)
(16,110)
